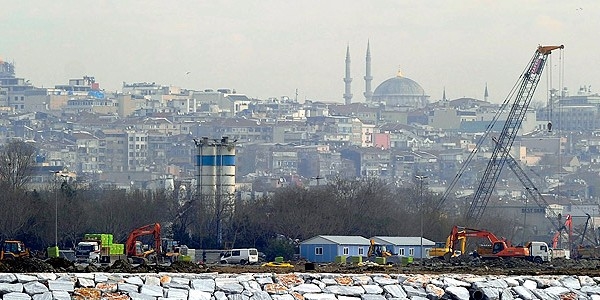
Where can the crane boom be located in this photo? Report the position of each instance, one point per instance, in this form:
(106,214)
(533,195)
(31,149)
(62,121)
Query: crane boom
(532,190)
(527,85)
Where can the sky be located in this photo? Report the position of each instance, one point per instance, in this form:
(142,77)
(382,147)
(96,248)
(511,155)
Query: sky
(273,48)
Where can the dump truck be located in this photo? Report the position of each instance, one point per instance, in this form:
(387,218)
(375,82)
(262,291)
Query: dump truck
(98,248)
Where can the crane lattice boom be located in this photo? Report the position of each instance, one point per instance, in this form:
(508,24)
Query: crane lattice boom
(527,85)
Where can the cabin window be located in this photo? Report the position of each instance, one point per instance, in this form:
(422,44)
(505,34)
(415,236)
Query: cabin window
(401,251)
(361,251)
(411,251)
(319,251)
(346,250)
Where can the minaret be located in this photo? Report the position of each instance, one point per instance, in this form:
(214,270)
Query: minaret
(444,95)
(368,77)
(347,79)
(486,94)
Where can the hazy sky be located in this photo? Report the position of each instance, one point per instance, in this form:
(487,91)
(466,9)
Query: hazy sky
(271,48)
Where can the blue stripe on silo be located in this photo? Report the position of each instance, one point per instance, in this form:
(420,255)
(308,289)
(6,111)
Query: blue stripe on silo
(226,160)
(205,160)
(215,160)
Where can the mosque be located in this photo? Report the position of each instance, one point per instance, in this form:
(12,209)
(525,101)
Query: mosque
(398,91)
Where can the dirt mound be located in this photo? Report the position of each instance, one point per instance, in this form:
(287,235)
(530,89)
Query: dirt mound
(26,265)
(60,264)
(508,266)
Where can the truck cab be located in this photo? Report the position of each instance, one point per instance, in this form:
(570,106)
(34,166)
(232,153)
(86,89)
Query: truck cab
(539,252)
(88,251)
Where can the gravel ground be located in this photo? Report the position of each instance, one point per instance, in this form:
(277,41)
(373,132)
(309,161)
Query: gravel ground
(464,265)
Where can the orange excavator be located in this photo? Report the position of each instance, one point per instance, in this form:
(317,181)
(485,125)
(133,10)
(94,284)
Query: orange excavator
(134,249)
(500,247)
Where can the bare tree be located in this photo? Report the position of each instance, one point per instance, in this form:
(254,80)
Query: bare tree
(16,214)
(16,162)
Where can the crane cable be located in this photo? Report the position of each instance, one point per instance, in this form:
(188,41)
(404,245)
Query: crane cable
(550,95)
(483,138)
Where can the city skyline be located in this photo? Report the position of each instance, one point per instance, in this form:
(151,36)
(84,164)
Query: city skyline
(271,48)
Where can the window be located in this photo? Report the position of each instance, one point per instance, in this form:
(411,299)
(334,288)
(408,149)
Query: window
(346,251)
(411,251)
(401,251)
(361,251)
(319,251)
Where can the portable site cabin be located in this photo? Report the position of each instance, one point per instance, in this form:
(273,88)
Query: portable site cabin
(324,248)
(405,246)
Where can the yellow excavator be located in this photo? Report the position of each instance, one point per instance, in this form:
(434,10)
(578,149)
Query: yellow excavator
(12,249)
(380,251)
(450,249)
(376,250)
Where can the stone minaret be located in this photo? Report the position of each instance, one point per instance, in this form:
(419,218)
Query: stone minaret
(347,79)
(486,94)
(368,77)
(444,95)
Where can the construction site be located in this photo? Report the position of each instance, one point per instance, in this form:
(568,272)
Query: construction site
(468,249)
(459,265)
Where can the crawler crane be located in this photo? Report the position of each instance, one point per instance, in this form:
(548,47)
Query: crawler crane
(525,89)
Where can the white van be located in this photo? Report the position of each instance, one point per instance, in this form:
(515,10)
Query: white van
(240,256)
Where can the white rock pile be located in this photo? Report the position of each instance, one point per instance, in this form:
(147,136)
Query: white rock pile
(296,286)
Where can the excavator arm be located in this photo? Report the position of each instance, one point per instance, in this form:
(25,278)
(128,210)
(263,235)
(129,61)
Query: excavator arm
(150,229)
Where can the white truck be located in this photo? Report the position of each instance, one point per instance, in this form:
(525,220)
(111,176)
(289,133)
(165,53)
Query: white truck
(539,252)
(94,251)
(88,251)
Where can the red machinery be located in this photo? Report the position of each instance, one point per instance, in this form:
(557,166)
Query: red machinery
(568,225)
(499,247)
(133,247)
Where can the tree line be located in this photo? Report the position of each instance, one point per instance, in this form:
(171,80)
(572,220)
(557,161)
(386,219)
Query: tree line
(274,224)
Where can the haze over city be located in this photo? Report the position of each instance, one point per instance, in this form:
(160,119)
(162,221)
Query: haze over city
(271,48)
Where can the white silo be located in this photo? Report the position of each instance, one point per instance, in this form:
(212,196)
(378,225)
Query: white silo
(226,168)
(206,161)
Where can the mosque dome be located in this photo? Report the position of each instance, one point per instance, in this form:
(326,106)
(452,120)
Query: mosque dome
(400,91)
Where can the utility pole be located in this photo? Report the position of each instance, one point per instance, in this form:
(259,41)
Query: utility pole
(64,179)
(421,178)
